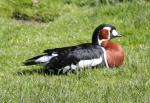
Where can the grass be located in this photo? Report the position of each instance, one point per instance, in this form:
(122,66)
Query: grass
(73,23)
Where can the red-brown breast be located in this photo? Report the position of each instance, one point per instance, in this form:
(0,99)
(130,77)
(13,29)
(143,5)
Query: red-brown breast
(114,53)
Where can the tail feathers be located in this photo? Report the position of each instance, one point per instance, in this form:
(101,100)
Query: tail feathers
(41,59)
(34,58)
(28,63)
(32,61)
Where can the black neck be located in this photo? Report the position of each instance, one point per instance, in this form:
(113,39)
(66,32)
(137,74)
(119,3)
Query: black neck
(95,37)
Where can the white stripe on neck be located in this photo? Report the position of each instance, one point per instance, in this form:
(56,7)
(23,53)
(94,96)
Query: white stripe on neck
(108,28)
(100,41)
(105,58)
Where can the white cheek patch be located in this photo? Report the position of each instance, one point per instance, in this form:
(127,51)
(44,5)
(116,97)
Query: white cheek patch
(114,33)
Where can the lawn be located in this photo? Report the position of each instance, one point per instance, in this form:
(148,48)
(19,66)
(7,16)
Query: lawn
(27,28)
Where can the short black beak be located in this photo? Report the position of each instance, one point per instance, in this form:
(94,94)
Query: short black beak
(120,35)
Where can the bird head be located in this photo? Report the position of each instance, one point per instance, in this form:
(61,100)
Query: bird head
(104,31)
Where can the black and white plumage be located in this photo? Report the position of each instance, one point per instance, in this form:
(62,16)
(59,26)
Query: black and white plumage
(62,60)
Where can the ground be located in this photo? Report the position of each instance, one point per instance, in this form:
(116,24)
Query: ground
(27,28)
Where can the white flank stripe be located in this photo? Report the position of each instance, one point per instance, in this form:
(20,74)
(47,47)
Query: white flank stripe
(89,63)
(45,59)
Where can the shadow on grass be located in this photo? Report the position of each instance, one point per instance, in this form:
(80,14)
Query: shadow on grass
(40,72)
(33,71)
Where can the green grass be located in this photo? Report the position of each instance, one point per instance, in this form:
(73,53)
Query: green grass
(63,23)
